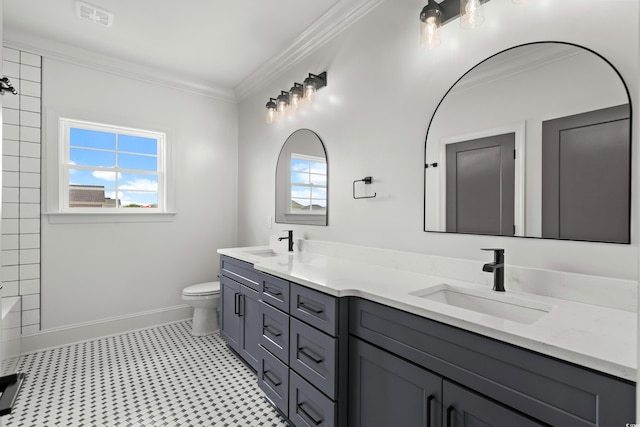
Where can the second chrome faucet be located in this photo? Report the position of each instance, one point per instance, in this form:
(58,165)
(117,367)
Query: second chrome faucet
(497,268)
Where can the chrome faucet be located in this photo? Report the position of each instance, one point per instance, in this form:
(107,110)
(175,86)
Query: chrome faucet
(289,237)
(497,268)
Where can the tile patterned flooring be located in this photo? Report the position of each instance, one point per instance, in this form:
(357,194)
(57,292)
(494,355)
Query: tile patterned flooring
(155,377)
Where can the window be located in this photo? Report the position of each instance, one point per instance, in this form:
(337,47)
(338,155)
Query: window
(109,168)
(308,185)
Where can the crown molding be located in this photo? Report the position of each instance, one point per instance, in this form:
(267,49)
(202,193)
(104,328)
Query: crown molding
(83,58)
(329,25)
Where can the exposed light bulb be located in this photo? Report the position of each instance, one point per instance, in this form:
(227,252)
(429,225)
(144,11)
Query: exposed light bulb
(471,13)
(271,111)
(430,32)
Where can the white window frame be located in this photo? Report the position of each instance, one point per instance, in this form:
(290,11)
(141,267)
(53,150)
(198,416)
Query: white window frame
(64,127)
(311,186)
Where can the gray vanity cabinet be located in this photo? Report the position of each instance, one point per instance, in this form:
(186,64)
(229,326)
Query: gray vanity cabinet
(239,308)
(485,382)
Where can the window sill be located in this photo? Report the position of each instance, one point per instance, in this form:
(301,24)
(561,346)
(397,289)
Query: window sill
(102,217)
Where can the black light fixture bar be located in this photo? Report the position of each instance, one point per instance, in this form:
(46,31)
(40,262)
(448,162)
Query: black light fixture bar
(297,94)
(450,9)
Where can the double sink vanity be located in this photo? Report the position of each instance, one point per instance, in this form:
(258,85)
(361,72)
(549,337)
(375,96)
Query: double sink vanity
(357,341)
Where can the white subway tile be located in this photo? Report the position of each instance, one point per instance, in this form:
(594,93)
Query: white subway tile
(30,88)
(10,147)
(29,164)
(11,194)
(31,302)
(29,103)
(10,226)
(10,69)
(10,273)
(30,149)
(10,210)
(10,179)
(29,225)
(10,163)
(29,241)
(29,256)
(30,59)
(30,329)
(29,134)
(30,195)
(9,54)
(11,101)
(29,118)
(29,210)
(29,286)
(28,72)
(10,132)
(30,317)
(10,241)
(10,289)
(29,180)
(10,257)
(11,116)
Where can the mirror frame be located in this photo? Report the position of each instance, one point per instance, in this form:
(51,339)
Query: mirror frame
(281,198)
(426,166)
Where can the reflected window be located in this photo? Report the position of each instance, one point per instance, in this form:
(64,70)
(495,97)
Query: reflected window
(308,184)
(111,168)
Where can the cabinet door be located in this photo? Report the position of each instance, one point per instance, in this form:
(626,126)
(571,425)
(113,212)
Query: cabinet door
(230,322)
(250,326)
(464,408)
(385,390)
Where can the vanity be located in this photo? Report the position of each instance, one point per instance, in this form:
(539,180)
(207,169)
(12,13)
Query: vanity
(342,341)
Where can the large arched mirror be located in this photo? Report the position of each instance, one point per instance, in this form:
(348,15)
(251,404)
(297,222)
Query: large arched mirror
(301,180)
(534,141)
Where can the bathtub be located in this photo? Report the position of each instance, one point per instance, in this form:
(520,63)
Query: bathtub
(10,335)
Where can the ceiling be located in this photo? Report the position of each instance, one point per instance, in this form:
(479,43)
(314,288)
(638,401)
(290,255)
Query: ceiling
(211,45)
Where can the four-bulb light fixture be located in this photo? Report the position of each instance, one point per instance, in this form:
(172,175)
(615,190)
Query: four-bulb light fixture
(301,94)
(435,14)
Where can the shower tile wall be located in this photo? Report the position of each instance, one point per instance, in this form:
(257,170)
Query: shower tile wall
(21,184)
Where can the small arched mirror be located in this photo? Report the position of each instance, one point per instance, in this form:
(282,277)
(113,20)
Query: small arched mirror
(301,180)
(534,141)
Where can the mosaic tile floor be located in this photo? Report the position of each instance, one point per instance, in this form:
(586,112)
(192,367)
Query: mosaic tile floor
(155,377)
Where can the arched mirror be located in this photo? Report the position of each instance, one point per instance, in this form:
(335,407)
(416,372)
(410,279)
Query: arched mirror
(534,141)
(301,180)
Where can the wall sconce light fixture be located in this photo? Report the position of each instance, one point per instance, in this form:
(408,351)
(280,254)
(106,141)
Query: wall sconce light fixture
(434,15)
(301,94)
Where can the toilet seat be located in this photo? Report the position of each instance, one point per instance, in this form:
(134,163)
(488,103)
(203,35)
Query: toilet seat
(202,289)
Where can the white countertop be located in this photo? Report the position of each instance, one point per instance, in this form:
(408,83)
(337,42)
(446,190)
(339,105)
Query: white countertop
(600,338)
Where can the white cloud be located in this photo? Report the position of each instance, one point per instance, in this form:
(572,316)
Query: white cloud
(107,176)
(140,184)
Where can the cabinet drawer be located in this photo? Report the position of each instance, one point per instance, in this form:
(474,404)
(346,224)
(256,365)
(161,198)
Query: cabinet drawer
(315,308)
(313,355)
(240,271)
(274,335)
(273,380)
(274,291)
(307,406)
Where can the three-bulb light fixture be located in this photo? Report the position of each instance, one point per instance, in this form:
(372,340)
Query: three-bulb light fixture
(300,95)
(435,14)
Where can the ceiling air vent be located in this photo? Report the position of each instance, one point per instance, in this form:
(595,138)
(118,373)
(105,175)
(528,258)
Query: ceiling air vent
(94,14)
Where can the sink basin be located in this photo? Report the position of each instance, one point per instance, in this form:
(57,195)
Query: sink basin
(263,252)
(494,304)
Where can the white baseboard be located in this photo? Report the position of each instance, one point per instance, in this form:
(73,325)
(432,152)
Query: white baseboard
(56,337)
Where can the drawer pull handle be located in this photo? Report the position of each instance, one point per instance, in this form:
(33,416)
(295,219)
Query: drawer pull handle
(309,308)
(305,352)
(450,410)
(307,414)
(267,376)
(429,400)
(267,290)
(236,303)
(271,330)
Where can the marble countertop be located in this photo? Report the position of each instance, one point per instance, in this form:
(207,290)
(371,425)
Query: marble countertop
(600,338)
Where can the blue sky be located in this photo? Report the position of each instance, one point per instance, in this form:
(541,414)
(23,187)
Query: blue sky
(311,173)
(97,150)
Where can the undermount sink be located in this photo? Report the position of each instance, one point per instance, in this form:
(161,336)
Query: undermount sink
(494,304)
(263,252)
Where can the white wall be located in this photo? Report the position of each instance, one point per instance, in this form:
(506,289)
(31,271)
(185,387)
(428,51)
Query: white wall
(373,117)
(93,272)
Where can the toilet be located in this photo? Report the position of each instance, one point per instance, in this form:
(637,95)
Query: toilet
(205,300)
